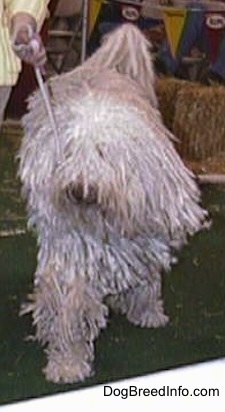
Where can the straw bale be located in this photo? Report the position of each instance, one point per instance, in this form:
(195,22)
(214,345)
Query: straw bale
(167,89)
(199,121)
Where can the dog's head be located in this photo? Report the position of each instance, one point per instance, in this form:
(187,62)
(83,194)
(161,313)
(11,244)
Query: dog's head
(101,156)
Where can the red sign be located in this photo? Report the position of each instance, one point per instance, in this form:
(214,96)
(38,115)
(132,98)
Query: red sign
(215,30)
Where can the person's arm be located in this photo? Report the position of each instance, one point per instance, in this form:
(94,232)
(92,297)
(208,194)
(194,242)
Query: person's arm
(38,9)
(26,18)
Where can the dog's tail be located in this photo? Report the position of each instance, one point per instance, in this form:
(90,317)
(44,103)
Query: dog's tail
(127,50)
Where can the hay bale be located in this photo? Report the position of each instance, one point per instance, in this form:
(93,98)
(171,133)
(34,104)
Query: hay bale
(199,121)
(167,89)
(209,166)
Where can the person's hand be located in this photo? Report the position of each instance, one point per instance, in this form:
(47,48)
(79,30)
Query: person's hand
(26,42)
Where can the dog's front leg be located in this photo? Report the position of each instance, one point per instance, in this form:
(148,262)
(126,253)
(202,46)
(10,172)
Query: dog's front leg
(68,317)
(143,304)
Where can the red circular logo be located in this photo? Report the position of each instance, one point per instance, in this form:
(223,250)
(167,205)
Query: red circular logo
(130,13)
(215,21)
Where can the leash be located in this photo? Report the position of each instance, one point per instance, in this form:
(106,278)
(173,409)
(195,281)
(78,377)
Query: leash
(34,44)
(49,109)
(47,101)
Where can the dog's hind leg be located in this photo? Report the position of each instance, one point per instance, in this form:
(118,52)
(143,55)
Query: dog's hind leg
(142,305)
(68,318)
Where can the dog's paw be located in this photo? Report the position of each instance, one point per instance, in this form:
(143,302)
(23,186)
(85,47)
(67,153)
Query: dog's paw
(149,318)
(154,320)
(67,368)
(62,371)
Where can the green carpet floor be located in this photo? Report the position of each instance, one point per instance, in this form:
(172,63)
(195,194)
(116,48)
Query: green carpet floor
(194,299)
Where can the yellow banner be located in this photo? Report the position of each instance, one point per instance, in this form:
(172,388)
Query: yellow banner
(94,9)
(174,20)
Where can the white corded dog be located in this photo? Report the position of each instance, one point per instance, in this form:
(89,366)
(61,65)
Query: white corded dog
(111,212)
